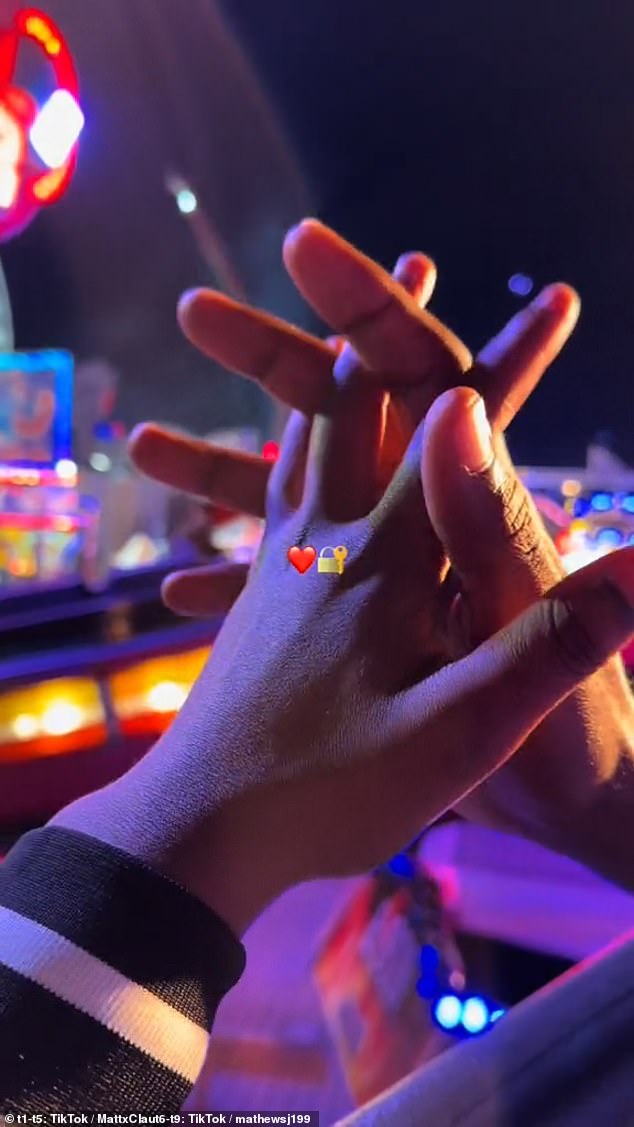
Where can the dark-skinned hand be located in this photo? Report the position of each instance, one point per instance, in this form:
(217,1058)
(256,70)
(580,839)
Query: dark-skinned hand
(570,786)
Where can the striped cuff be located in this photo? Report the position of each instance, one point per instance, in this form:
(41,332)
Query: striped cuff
(110,976)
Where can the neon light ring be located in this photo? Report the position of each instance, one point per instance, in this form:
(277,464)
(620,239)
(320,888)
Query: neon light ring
(38,143)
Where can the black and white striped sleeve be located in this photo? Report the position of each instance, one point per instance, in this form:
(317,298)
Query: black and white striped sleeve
(110,977)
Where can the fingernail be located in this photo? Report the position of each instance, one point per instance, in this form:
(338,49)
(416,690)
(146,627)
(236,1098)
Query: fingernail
(405,263)
(474,438)
(186,299)
(295,231)
(556,299)
(408,271)
(136,432)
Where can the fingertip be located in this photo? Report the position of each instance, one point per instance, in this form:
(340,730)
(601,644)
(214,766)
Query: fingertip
(412,263)
(186,301)
(458,432)
(315,257)
(560,300)
(417,273)
(413,268)
(196,309)
(206,591)
(187,313)
(450,406)
(305,229)
(456,437)
(141,440)
(138,432)
(170,591)
(336,343)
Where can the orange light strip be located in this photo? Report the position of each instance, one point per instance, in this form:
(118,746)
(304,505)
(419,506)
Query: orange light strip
(38,28)
(34,475)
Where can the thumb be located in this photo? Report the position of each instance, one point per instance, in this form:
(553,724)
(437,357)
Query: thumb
(478,711)
(483,515)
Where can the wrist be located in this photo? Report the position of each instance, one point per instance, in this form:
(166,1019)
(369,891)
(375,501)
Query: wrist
(223,850)
(226,862)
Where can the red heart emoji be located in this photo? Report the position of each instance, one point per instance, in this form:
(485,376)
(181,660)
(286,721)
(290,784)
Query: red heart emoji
(302,558)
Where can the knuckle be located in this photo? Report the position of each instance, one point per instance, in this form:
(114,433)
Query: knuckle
(575,646)
(265,364)
(349,371)
(522,526)
(217,475)
(368,318)
(505,410)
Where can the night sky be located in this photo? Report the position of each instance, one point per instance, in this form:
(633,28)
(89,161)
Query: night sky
(496,137)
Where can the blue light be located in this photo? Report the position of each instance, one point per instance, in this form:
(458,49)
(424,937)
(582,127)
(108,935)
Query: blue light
(520,284)
(628,503)
(631,539)
(427,986)
(402,866)
(580,507)
(475,1014)
(601,502)
(496,1015)
(448,1011)
(429,957)
(610,537)
(186,201)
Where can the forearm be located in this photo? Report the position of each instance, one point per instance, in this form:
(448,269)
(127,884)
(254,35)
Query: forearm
(186,812)
(117,936)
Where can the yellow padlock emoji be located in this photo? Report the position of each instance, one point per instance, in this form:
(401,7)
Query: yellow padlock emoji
(332,565)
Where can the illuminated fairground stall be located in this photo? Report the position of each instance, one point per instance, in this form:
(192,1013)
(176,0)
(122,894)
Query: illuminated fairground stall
(92,664)
(588,511)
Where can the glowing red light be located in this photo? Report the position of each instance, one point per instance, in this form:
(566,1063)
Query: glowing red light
(271,451)
(24,187)
(562,542)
